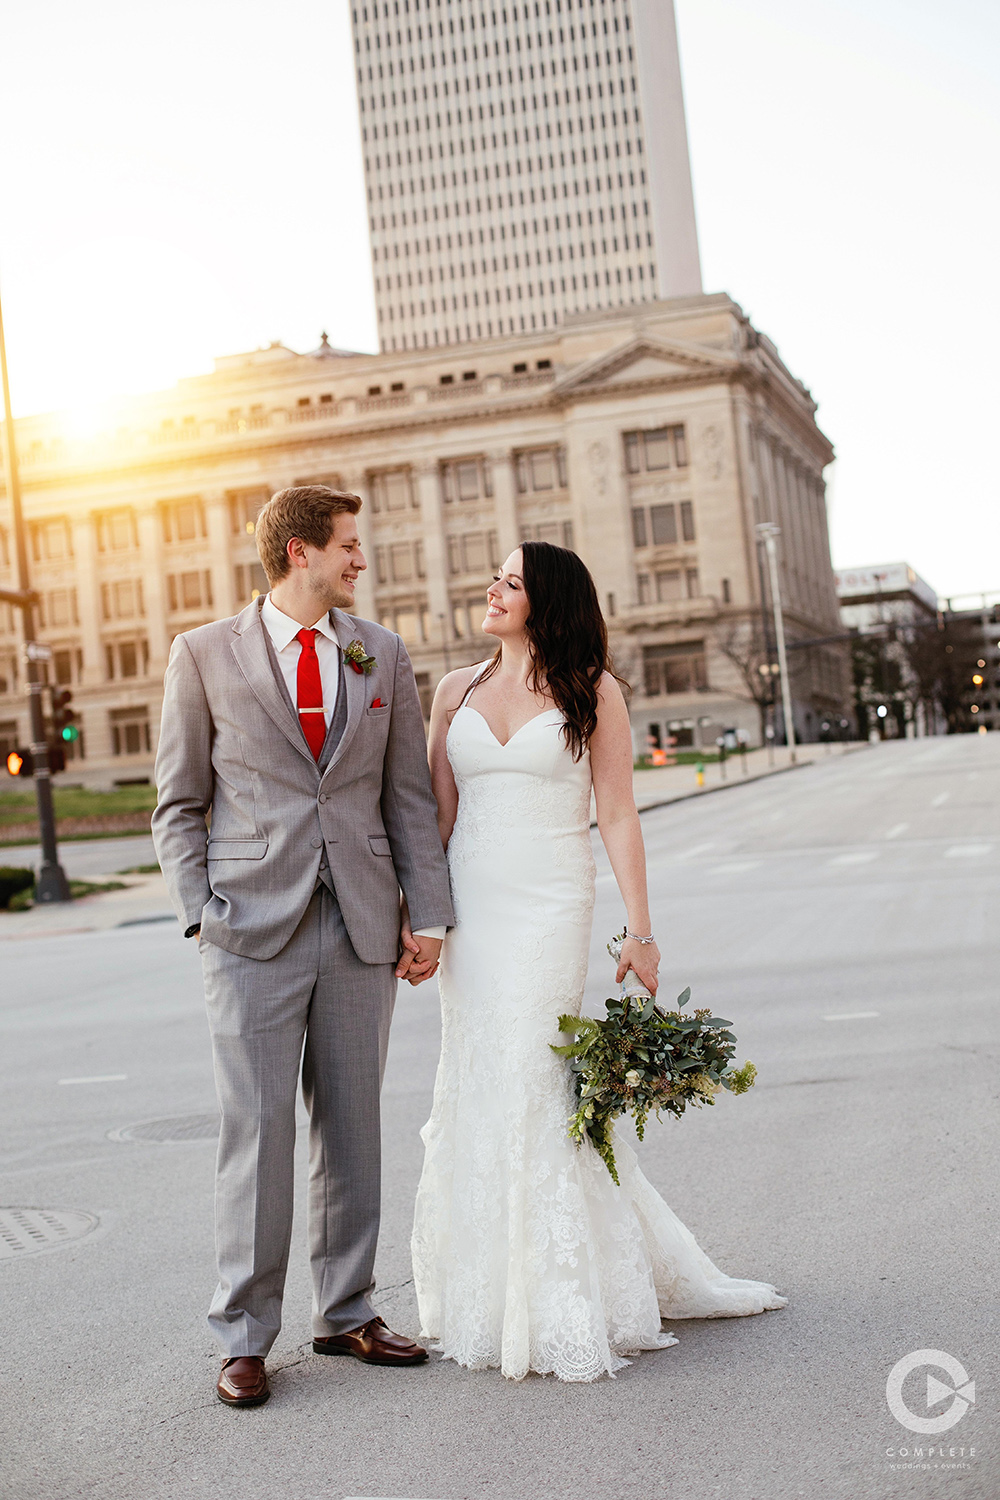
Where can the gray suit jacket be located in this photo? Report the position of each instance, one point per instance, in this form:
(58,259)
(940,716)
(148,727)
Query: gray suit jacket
(231,747)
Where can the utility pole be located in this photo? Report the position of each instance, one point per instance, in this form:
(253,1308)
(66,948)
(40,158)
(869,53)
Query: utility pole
(51,884)
(768,531)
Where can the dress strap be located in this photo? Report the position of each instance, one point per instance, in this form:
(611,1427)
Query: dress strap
(474,683)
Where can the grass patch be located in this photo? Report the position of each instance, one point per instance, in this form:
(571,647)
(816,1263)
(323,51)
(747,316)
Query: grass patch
(682,758)
(78,802)
(141,870)
(77,888)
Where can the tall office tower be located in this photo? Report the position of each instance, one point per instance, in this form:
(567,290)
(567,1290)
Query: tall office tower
(523,162)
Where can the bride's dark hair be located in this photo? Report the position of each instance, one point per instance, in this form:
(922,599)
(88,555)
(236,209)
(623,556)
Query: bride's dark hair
(567,637)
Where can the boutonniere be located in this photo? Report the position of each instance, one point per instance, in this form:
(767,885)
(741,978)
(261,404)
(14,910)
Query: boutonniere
(361,662)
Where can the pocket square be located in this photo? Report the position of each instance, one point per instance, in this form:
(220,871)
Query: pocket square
(377,703)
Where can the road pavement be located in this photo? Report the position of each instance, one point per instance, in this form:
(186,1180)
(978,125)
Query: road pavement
(842,916)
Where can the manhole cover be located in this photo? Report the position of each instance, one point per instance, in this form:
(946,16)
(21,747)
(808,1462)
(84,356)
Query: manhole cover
(175,1128)
(25,1230)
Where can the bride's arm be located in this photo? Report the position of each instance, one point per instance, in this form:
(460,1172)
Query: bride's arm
(450,692)
(618,823)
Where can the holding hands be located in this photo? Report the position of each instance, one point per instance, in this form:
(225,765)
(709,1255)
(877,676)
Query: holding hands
(419,956)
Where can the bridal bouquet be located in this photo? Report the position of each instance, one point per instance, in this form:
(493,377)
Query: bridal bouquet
(642,1058)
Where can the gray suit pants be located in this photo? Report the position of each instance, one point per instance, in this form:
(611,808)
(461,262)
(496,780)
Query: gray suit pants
(259,1012)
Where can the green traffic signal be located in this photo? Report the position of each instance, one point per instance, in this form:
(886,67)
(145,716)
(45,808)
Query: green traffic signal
(70,732)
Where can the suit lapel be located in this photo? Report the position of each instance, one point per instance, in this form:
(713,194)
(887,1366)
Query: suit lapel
(355,685)
(250,650)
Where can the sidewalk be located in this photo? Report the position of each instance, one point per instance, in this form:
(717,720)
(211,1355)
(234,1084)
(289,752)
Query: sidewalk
(143,900)
(145,897)
(662,784)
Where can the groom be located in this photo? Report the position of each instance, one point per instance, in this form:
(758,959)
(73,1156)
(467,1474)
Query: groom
(294,803)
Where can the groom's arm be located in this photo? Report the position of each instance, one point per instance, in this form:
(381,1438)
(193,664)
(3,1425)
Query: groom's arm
(409,811)
(184,785)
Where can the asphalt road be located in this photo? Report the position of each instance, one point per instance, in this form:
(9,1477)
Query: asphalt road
(844,916)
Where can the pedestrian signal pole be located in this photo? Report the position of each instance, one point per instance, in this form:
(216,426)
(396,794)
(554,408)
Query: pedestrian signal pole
(51,884)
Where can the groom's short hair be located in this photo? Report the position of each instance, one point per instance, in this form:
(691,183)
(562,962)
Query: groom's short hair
(307,511)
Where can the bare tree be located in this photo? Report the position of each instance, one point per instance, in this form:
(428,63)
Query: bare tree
(744,644)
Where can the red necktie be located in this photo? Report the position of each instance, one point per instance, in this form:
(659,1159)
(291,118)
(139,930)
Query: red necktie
(309,693)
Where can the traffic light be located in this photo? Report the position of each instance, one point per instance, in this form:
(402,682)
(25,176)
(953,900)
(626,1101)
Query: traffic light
(64,726)
(20,763)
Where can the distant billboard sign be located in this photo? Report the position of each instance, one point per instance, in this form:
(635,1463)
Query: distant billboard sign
(883,578)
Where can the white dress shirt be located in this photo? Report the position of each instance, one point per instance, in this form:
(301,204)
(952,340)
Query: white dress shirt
(283,631)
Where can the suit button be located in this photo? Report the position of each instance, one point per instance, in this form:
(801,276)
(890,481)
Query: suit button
(317,843)
(323,864)
(322,797)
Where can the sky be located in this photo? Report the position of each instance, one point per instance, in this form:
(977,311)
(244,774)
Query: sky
(184,181)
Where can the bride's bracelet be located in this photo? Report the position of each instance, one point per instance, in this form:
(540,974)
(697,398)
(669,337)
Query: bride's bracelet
(637,939)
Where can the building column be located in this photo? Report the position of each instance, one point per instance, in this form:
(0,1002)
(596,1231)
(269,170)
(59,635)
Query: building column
(154,598)
(355,482)
(428,483)
(505,500)
(88,600)
(220,553)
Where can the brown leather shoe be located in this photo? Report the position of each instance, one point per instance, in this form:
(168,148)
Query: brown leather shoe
(243,1381)
(375,1344)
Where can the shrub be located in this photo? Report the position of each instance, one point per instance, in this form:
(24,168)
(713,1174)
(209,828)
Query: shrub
(13,880)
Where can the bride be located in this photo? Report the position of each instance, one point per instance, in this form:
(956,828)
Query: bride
(526,1256)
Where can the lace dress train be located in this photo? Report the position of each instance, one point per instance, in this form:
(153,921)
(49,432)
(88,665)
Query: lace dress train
(526,1256)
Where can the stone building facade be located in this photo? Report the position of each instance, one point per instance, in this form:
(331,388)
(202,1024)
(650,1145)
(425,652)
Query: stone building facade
(649,439)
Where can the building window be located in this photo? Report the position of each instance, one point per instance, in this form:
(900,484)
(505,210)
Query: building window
(663,523)
(475,552)
(466,479)
(660,526)
(411,621)
(401,559)
(657,448)
(189,590)
(130,731)
(122,599)
(638,526)
(50,541)
(126,659)
(62,667)
(392,490)
(693,583)
(643,588)
(726,592)
(541,469)
(183,521)
(116,531)
(58,608)
(668,586)
(244,508)
(678,668)
(251,582)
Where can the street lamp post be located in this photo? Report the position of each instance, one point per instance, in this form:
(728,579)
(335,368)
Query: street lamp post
(768,531)
(51,884)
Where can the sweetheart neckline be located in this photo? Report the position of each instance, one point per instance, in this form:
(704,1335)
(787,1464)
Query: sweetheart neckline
(504,743)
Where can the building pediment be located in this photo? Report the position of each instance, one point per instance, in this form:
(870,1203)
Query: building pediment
(645,361)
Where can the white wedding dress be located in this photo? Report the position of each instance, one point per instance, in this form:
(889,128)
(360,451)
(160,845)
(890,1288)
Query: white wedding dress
(526,1256)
